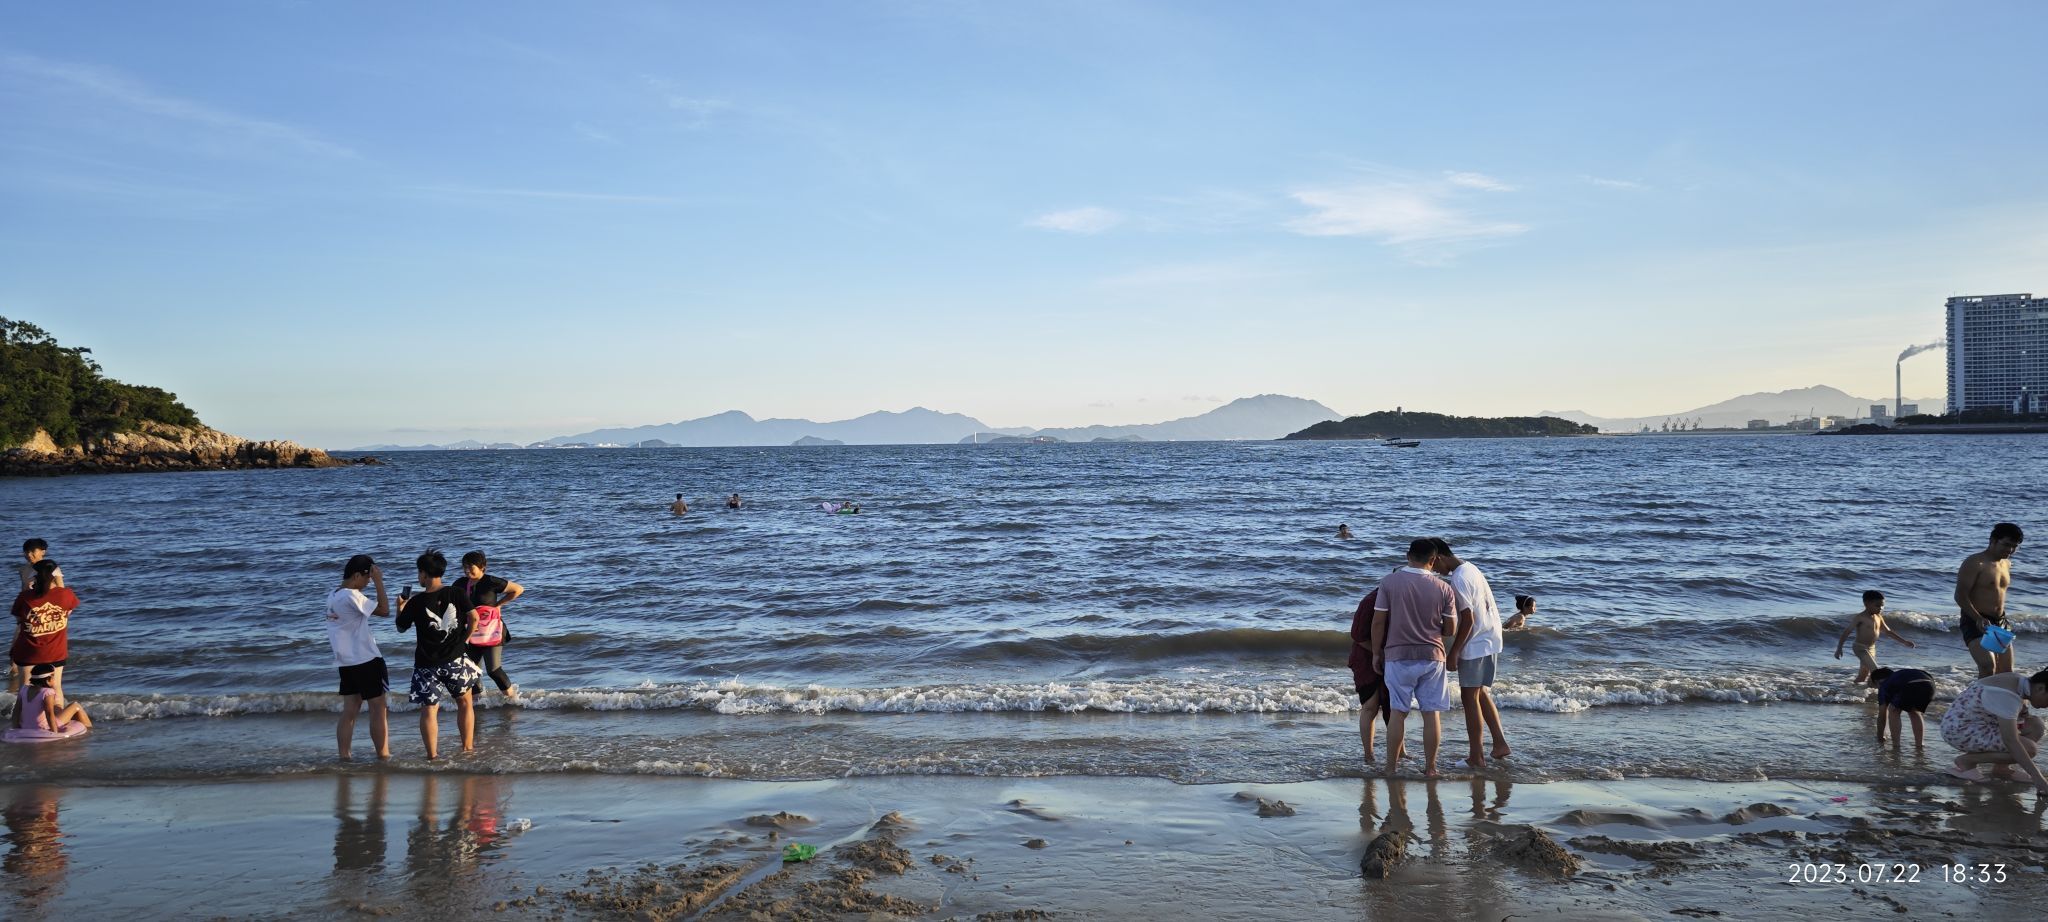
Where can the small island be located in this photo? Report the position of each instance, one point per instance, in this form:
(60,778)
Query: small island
(812,440)
(60,415)
(1397,424)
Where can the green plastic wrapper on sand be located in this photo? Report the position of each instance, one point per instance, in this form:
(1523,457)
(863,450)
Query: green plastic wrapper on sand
(797,851)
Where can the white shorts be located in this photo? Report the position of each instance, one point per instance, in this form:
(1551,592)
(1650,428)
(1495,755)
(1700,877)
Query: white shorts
(1418,685)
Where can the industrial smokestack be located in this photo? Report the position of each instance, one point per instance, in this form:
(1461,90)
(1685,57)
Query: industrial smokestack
(1899,375)
(1916,350)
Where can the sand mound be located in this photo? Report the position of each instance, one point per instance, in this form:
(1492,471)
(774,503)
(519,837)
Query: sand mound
(1608,818)
(1386,852)
(1531,848)
(782,820)
(1754,812)
(1275,808)
(1666,851)
(651,893)
(876,856)
(1021,808)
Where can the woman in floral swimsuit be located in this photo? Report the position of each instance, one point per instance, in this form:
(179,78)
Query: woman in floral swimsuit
(1985,723)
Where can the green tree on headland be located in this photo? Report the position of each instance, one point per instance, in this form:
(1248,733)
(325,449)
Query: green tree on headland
(1386,425)
(60,390)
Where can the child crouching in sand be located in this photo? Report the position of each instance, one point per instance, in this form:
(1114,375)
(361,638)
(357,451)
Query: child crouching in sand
(1867,625)
(36,708)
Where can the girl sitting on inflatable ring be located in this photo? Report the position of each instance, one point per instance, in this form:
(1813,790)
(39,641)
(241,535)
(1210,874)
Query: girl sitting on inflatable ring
(37,709)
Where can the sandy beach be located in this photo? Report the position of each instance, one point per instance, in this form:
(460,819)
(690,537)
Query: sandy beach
(388,844)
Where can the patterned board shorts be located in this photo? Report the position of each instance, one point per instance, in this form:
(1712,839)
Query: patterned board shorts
(1968,727)
(455,677)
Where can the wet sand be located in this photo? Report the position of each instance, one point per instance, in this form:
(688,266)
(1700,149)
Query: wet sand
(393,844)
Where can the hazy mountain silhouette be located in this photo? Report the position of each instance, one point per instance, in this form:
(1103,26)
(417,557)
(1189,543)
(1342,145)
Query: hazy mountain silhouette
(914,426)
(1267,416)
(1777,406)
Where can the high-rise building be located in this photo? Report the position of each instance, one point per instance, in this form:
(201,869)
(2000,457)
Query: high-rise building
(1998,352)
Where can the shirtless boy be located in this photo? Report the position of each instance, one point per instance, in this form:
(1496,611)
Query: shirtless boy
(1980,593)
(1867,625)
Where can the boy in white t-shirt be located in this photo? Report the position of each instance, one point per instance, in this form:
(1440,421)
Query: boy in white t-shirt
(363,677)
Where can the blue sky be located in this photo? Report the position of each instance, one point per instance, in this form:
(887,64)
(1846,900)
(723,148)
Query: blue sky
(345,223)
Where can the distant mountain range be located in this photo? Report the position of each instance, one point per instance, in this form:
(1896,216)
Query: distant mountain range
(1267,416)
(1779,407)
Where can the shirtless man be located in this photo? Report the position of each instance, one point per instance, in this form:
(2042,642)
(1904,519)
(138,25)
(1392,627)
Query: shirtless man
(679,507)
(1980,593)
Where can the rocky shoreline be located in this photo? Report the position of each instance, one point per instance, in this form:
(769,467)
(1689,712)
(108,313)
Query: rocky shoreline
(157,447)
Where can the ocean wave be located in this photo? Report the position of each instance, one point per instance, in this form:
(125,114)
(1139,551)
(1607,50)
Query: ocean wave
(1570,696)
(738,698)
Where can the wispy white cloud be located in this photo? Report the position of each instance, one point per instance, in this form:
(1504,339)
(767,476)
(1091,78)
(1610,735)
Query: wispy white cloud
(698,110)
(1088,220)
(1624,184)
(111,87)
(553,195)
(592,133)
(1424,219)
(1479,181)
(1201,274)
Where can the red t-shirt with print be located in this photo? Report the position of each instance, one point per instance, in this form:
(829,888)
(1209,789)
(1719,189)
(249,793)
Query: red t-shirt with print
(42,626)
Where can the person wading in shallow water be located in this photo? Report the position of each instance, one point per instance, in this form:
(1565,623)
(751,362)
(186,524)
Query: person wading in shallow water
(363,676)
(1416,626)
(497,592)
(1980,593)
(443,618)
(1481,653)
(679,507)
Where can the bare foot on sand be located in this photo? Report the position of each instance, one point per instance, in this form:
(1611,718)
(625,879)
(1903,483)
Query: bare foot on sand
(1501,751)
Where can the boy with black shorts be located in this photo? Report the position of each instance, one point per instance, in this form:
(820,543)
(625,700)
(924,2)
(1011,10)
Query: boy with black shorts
(1899,691)
(363,677)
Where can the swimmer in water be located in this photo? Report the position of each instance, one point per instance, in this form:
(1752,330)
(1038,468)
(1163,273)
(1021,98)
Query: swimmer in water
(1525,605)
(679,507)
(1344,532)
(734,502)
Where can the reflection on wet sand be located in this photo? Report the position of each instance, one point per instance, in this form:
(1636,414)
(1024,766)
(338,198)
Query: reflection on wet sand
(36,859)
(445,858)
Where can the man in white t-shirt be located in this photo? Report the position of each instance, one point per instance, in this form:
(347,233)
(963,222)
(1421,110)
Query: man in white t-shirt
(363,677)
(1481,654)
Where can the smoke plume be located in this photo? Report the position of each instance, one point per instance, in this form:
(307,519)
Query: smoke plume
(1916,350)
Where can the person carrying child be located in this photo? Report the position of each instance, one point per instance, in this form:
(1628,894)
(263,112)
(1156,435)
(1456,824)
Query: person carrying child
(1867,625)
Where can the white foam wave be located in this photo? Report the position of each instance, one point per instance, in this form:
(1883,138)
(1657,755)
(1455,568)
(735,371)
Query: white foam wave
(1949,623)
(1579,691)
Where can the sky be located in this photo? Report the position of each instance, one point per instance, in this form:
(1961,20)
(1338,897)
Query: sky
(384,221)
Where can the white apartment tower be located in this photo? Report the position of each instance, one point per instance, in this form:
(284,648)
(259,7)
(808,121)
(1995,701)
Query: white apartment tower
(1998,353)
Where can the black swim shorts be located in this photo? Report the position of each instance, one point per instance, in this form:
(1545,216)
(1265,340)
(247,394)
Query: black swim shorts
(1971,631)
(1913,696)
(366,679)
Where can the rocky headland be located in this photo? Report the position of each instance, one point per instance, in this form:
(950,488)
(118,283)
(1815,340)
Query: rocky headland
(154,446)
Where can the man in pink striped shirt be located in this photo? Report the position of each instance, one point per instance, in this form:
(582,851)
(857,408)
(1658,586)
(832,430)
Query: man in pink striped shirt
(1416,626)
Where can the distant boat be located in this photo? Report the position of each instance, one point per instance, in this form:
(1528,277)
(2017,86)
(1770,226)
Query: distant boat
(1402,443)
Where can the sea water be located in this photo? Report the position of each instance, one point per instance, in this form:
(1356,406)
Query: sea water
(1169,609)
